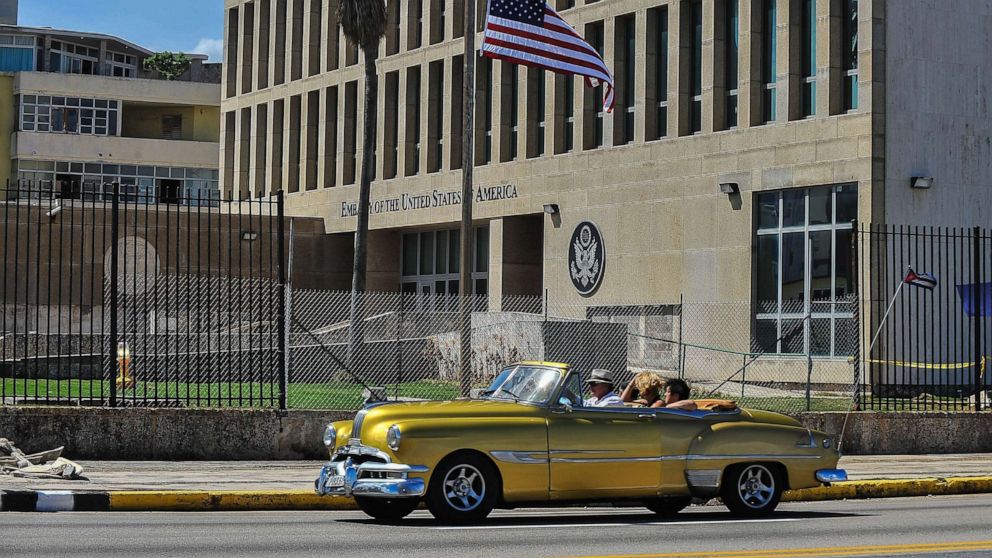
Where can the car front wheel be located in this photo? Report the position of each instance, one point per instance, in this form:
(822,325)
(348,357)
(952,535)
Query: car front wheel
(387,509)
(752,489)
(463,489)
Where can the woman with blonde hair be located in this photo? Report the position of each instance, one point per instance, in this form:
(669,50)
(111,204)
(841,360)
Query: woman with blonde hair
(646,389)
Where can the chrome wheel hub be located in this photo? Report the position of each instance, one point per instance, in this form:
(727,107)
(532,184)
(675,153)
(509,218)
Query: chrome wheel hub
(756,486)
(464,488)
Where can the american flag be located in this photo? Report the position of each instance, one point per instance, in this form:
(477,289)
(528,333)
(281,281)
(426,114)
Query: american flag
(530,32)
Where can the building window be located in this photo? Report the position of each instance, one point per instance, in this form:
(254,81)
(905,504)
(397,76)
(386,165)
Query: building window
(74,115)
(696,68)
(484,114)
(412,121)
(438,9)
(431,262)
(808,38)
(415,15)
(93,181)
(121,65)
(732,45)
(69,58)
(623,132)
(435,116)
(17,53)
(536,100)
(510,113)
(769,68)
(850,55)
(569,113)
(804,278)
(172,126)
(593,126)
(657,126)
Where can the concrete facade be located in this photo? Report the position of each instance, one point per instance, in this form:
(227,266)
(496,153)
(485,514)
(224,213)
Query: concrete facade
(83,110)
(850,111)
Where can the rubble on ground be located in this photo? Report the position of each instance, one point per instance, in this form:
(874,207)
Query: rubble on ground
(46,464)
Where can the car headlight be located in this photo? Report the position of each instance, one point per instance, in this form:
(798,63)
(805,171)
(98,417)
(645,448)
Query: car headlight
(393,437)
(330,436)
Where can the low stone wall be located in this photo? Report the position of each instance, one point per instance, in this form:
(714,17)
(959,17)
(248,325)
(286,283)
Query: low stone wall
(918,433)
(168,434)
(183,434)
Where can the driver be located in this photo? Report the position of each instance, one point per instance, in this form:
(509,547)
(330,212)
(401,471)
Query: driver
(600,384)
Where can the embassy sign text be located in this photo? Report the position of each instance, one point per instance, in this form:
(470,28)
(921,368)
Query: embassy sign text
(436,198)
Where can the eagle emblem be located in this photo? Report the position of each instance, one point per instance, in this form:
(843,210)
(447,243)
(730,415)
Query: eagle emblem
(585,264)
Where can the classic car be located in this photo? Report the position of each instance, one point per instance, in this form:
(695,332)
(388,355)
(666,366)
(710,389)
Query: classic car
(530,440)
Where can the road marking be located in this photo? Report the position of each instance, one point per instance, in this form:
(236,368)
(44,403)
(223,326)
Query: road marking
(888,550)
(615,524)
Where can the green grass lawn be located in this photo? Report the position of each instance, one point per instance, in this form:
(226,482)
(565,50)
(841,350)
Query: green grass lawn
(333,395)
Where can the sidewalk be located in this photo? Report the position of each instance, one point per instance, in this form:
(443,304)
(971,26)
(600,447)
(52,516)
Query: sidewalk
(299,475)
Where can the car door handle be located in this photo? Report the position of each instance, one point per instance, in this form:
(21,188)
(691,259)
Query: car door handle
(646,416)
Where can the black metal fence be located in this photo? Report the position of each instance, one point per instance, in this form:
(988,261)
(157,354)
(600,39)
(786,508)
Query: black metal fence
(116,296)
(933,347)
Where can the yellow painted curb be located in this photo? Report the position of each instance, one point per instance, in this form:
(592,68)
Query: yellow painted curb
(891,488)
(269,500)
(249,500)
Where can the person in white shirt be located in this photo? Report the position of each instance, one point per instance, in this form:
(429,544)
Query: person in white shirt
(600,384)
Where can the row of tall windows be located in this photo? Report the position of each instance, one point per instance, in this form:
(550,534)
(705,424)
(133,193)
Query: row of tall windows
(69,115)
(511,119)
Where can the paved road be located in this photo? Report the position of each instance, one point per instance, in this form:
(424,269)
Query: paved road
(951,525)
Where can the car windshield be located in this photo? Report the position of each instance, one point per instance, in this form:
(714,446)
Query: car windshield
(523,383)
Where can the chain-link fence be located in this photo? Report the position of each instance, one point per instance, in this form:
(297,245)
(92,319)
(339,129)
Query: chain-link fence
(409,348)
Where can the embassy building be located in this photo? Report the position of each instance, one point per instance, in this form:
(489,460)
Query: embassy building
(748,137)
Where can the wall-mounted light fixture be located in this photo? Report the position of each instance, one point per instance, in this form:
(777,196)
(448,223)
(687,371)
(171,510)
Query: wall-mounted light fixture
(921,182)
(249,236)
(729,188)
(552,209)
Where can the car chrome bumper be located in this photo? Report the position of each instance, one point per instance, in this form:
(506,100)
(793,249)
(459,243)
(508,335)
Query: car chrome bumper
(371,479)
(828,476)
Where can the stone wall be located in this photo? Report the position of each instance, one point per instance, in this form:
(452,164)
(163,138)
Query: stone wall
(182,434)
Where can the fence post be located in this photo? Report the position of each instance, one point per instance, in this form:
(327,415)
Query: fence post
(978,295)
(114,273)
(283,300)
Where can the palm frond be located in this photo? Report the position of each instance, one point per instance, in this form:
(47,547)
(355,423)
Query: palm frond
(363,21)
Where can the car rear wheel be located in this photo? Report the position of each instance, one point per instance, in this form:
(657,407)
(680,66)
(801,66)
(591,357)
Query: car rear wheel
(752,490)
(387,509)
(668,507)
(463,489)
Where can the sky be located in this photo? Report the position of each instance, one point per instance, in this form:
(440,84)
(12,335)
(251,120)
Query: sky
(191,26)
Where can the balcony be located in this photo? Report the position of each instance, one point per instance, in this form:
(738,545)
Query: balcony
(124,89)
(136,151)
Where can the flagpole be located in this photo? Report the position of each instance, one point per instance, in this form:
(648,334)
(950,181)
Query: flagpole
(468,167)
(867,359)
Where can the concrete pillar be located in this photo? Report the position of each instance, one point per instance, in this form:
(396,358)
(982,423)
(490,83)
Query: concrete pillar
(789,61)
(609,55)
(640,73)
(103,68)
(496,231)
(679,86)
(829,52)
(714,100)
(749,95)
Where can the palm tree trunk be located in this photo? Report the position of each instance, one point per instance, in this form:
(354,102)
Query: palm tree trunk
(362,231)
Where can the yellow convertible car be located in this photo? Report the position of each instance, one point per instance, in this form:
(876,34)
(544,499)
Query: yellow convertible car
(530,440)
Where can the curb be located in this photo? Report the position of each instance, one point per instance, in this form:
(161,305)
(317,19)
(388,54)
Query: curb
(306,500)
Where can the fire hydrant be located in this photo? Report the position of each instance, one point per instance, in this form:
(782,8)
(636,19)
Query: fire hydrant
(124,380)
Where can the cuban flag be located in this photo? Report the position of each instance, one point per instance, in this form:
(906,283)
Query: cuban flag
(925,280)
